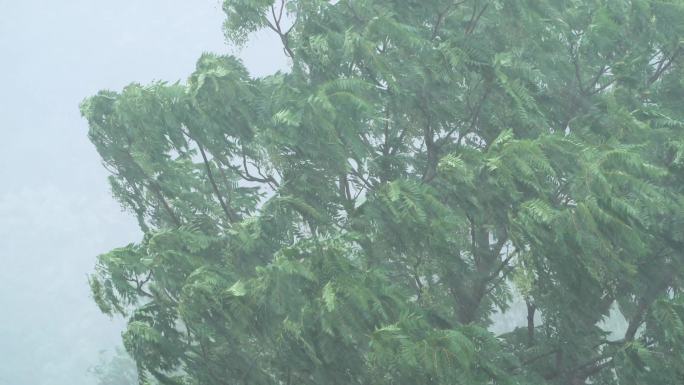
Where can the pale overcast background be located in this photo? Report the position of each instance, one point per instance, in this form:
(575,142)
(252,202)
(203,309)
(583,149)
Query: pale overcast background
(56,213)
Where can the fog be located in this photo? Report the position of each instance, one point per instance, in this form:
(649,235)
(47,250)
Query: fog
(56,212)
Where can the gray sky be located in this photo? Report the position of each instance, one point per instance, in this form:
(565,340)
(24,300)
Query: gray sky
(56,213)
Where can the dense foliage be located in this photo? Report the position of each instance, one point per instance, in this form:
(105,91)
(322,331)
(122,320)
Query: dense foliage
(421,166)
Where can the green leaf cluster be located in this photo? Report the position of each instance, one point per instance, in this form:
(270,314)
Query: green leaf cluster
(421,167)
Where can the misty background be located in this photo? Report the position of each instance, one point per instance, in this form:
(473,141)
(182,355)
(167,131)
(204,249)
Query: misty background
(56,212)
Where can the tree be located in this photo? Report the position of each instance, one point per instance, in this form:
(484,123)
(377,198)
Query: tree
(359,218)
(115,368)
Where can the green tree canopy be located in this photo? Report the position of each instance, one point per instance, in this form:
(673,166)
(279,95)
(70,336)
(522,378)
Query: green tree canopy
(359,218)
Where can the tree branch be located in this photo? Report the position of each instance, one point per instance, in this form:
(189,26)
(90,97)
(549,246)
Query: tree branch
(442,15)
(210,175)
(247,176)
(663,66)
(472,24)
(531,310)
(275,26)
(231,217)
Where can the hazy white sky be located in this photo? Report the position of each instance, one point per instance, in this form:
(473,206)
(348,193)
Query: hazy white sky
(56,213)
